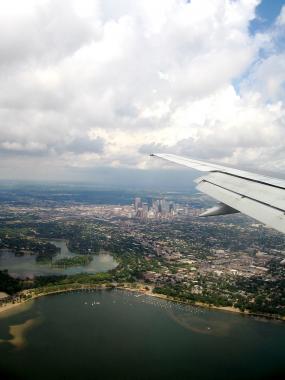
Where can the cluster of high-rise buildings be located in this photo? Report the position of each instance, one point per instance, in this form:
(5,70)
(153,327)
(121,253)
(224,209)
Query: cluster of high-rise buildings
(156,208)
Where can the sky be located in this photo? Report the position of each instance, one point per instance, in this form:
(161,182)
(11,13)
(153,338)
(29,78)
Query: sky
(90,87)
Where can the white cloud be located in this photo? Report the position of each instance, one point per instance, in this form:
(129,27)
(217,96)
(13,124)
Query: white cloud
(98,83)
(281,18)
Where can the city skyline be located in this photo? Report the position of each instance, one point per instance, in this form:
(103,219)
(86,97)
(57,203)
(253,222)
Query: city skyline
(161,208)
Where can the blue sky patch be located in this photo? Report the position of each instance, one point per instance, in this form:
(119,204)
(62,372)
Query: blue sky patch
(266,12)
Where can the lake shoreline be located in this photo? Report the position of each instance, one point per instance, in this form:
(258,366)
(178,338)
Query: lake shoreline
(140,289)
(27,266)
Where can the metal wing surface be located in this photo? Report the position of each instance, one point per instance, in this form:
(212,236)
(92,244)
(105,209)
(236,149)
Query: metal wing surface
(260,197)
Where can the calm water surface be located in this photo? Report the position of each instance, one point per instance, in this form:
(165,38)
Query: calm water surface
(121,335)
(26,266)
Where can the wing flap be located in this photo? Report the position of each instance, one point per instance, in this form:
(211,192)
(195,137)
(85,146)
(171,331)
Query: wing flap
(264,213)
(258,196)
(263,193)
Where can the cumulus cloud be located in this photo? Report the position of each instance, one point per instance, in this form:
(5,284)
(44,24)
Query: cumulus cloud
(98,83)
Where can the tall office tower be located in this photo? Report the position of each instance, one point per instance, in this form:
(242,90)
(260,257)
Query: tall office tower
(155,205)
(137,203)
(145,209)
(167,206)
(164,206)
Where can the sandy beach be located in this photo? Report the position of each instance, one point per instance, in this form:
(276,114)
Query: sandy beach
(141,289)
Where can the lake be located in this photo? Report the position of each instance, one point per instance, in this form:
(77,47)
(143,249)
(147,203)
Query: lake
(121,335)
(26,265)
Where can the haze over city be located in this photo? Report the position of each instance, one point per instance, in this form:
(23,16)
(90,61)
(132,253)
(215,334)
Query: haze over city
(90,88)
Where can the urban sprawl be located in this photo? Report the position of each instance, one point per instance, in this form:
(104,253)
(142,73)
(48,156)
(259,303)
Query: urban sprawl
(159,243)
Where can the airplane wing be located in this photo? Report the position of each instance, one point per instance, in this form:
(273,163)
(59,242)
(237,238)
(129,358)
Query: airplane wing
(258,196)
